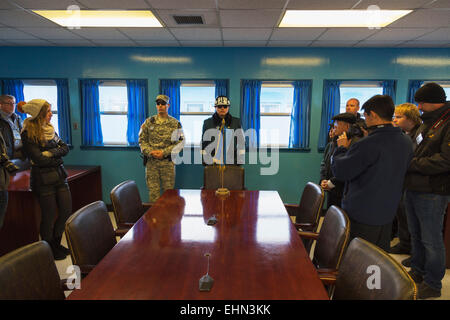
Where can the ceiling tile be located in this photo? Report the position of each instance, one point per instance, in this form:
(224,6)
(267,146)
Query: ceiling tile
(158,43)
(393,4)
(251,4)
(387,43)
(289,43)
(22,18)
(201,43)
(398,34)
(47,4)
(249,18)
(115,43)
(321,4)
(115,4)
(302,34)
(72,43)
(439,4)
(50,33)
(346,34)
(209,17)
(196,34)
(333,43)
(26,42)
(246,34)
(6,5)
(442,34)
(9,33)
(423,44)
(245,43)
(424,18)
(100,34)
(147,33)
(185,4)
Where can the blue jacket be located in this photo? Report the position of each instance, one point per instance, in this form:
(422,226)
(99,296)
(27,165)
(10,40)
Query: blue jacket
(373,170)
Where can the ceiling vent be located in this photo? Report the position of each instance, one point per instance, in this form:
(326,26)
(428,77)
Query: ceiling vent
(188,19)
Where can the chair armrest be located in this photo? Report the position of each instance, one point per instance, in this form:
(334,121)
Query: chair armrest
(304,226)
(308,235)
(146,205)
(292,209)
(120,232)
(125,225)
(328,278)
(327,271)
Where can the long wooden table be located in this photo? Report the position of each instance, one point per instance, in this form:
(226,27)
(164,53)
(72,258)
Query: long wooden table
(23,215)
(255,250)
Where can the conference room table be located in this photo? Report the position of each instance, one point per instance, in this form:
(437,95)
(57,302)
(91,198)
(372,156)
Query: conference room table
(254,252)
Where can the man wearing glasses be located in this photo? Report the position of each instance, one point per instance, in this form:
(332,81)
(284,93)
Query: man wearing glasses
(222,136)
(160,138)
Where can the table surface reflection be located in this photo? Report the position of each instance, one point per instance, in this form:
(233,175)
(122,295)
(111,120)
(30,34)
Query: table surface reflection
(256,252)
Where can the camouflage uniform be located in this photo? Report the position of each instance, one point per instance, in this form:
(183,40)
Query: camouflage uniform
(156,134)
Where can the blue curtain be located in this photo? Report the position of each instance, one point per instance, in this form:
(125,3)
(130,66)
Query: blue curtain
(137,109)
(250,110)
(63,106)
(300,115)
(389,88)
(15,88)
(171,88)
(413,86)
(330,107)
(92,127)
(221,88)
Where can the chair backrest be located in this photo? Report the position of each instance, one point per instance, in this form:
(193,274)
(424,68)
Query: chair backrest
(333,239)
(310,204)
(369,273)
(233,177)
(29,273)
(90,234)
(127,203)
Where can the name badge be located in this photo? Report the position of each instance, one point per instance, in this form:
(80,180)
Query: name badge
(419,139)
(16,135)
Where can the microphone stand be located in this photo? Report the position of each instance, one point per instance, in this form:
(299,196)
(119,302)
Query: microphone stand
(224,192)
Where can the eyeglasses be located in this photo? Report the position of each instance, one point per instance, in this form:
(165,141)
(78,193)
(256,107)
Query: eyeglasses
(161,103)
(222,107)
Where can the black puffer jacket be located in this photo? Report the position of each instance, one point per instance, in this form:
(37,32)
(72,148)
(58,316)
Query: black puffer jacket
(429,170)
(45,171)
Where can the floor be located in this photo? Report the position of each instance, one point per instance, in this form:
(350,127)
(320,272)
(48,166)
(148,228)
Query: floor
(62,265)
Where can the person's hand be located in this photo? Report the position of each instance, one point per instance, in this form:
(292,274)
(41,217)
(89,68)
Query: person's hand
(365,132)
(324,184)
(343,141)
(47,154)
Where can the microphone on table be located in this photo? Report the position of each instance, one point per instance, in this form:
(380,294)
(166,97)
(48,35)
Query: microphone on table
(206,282)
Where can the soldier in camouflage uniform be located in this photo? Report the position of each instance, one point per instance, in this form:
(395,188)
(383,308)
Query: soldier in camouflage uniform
(160,137)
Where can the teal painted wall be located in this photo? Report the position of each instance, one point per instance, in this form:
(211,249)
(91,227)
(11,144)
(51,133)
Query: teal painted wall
(296,168)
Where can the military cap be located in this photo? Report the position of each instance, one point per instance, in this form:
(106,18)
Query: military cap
(345,117)
(222,101)
(163,98)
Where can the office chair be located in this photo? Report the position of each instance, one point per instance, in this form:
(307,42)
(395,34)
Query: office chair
(29,273)
(233,178)
(90,235)
(127,204)
(369,273)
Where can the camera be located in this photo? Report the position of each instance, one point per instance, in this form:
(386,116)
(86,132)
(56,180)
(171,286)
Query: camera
(9,166)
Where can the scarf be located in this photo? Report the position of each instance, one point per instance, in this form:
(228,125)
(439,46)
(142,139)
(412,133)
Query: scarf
(49,131)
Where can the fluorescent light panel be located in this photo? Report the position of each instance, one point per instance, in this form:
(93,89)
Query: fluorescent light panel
(101,18)
(340,18)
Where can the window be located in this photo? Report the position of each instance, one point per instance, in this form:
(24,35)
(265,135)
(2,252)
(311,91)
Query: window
(196,105)
(113,103)
(43,89)
(361,90)
(275,109)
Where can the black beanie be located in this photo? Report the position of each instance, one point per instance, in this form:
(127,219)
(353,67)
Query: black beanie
(430,93)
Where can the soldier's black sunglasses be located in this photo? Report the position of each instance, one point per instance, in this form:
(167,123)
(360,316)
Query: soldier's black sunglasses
(161,102)
(222,107)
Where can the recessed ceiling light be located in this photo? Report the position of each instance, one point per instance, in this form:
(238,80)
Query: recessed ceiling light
(101,18)
(340,18)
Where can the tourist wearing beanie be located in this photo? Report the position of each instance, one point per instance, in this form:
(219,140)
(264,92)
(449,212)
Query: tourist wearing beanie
(427,193)
(48,177)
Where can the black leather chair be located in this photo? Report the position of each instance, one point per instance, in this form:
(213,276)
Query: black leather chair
(331,241)
(127,204)
(29,273)
(388,279)
(90,235)
(307,212)
(233,177)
